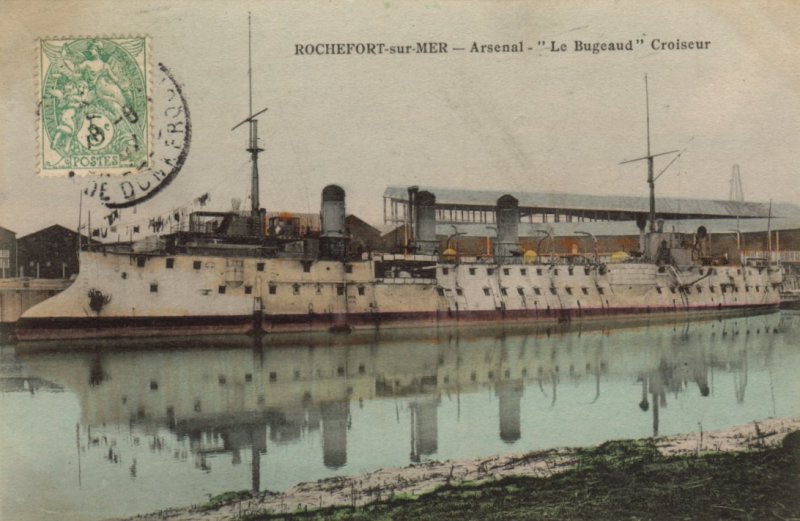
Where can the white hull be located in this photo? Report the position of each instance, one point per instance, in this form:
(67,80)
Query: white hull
(158,294)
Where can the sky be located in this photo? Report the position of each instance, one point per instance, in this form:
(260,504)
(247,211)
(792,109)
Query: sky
(531,121)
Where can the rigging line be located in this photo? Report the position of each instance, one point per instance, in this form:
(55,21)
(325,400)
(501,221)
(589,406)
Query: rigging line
(180,204)
(647,104)
(669,164)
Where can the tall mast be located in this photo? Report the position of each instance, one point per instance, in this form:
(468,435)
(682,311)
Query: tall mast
(650,177)
(650,180)
(253,148)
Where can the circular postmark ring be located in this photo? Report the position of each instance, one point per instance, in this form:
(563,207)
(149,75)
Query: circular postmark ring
(171,144)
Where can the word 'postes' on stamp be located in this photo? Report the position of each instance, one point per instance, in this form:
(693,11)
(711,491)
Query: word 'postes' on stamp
(94,105)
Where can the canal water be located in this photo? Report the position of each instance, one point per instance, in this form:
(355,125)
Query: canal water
(97,430)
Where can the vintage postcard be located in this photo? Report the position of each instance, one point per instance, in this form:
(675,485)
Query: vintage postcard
(399,260)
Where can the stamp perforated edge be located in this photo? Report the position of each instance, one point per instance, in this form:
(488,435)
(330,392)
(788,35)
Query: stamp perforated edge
(37,74)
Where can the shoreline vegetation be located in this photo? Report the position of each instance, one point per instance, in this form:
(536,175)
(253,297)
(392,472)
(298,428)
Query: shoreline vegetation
(750,471)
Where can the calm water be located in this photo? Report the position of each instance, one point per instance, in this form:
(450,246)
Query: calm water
(93,431)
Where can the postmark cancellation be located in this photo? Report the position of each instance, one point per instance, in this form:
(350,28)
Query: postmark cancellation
(94,101)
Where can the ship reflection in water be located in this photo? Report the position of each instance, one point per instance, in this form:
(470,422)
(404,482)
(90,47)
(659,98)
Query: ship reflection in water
(152,425)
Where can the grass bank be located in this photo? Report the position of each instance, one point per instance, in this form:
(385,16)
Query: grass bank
(628,480)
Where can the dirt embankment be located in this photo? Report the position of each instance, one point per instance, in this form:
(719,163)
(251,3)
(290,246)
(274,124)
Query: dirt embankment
(420,478)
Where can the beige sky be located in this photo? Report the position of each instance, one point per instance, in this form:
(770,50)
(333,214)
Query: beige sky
(536,121)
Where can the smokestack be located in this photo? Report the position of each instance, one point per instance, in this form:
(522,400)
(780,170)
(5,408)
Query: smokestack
(332,233)
(425,214)
(507,228)
(332,211)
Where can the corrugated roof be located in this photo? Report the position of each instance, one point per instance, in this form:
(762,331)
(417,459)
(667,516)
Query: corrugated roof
(600,203)
(614,228)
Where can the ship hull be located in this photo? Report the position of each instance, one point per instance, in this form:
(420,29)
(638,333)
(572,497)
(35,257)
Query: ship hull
(129,295)
(72,328)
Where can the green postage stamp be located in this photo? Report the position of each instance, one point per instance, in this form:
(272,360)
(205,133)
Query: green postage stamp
(94,105)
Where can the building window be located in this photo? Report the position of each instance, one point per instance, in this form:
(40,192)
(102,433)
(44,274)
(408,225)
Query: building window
(170,263)
(537,291)
(348,268)
(221,290)
(699,289)
(504,291)
(553,291)
(295,289)
(672,289)
(472,271)
(489,271)
(711,289)
(273,289)
(197,264)
(523,271)
(747,289)
(555,271)
(600,290)
(459,292)
(361,290)
(585,291)
(658,289)
(259,266)
(445,271)
(140,260)
(486,291)
(506,271)
(538,271)
(248,290)
(440,291)
(154,287)
(340,290)
(521,291)
(306,266)
(569,291)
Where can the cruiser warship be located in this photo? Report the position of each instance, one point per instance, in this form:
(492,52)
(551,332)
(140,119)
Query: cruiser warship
(240,272)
